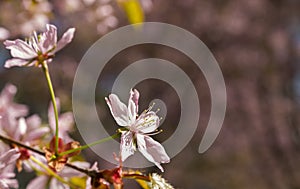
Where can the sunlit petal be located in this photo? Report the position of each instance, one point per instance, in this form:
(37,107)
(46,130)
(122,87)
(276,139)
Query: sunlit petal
(20,49)
(118,110)
(16,62)
(66,38)
(9,156)
(38,182)
(50,37)
(127,145)
(152,150)
(147,122)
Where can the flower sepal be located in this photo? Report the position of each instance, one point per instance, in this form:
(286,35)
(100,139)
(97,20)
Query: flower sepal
(56,161)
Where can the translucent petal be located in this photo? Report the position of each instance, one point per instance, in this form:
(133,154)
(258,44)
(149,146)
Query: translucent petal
(152,150)
(127,147)
(33,122)
(55,184)
(36,134)
(15,62)
(147,122)
(38,182)
(9,156)
(50,37)
(132,113)
(118,110)
(66,38)
(134,97)
(20,49)
(21,129)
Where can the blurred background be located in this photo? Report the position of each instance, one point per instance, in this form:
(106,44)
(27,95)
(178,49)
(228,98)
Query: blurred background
(257,46)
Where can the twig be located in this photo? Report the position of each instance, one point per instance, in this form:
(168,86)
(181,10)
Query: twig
(11,141)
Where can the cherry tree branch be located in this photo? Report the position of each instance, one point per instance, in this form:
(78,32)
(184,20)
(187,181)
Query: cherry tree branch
(11,141)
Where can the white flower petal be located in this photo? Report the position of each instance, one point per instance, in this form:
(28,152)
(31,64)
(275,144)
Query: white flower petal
(12,183)
(38,182)
(34,42)
(94,167)
(8,173)
(33,122)
(8,170)
(8,94)
(4,33)
(55,184)
(22,126)
(152,150)
(20,49)
(147,122)
(20,130)
(4,184)
(15,62)
(50,37)
(118,110)
(9,156)
(66,122)
(133,106)
(66,38)
(135,97)
(36,134)
(131,112)
(127,145)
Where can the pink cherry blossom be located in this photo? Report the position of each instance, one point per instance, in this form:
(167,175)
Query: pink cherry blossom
(38,48)
(7,160)
(29,132)
(137,130)
(4,33)
(10,111)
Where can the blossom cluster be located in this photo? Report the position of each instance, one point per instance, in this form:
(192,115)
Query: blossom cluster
(28,144)
(24,16)
(15,124)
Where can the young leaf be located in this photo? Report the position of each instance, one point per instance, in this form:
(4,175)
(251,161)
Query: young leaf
(144,184)
(133,10)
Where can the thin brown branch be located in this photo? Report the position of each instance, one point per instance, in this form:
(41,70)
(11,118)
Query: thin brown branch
(10,141)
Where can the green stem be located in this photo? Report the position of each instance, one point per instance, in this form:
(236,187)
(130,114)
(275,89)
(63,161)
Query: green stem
(48,78)
(89,145)
(51,173)
(136,176)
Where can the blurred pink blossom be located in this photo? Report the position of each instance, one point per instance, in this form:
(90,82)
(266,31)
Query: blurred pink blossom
(4,33)
(46,181)
(38,48)
(10,111)
(7,169)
